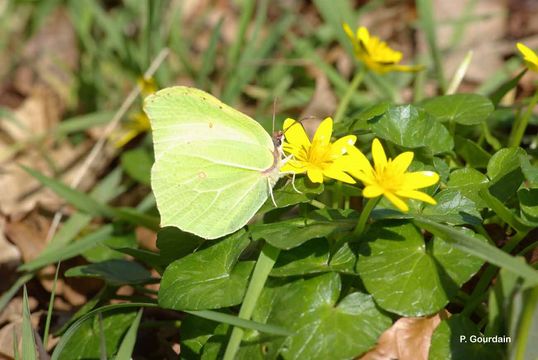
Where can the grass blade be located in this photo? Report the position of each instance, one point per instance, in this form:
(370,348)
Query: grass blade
(480,249)
(427,23)
(80,200)
(28,341)
(8,295)
(127,345)
(51,307)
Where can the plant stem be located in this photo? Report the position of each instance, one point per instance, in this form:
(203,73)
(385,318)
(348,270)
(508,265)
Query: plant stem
(365,215)
(521,123)
(342,107)
(265,263)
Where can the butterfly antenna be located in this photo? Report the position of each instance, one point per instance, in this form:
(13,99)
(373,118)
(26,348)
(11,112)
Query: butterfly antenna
(274,113)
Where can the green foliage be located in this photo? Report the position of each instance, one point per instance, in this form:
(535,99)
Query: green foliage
(332,287)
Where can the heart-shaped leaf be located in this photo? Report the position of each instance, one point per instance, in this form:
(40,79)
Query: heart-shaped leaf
(208,279)
(465,109)
(407,277)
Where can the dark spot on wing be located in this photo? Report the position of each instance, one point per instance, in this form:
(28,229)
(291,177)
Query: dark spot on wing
(210,125)
(202,175)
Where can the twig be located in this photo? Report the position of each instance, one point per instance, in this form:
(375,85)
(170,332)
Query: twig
(129,100)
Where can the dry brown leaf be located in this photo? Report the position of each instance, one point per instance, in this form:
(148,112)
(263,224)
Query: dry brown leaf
(7,340)
(10,256)
(13,310)
(28,235)
(406,339)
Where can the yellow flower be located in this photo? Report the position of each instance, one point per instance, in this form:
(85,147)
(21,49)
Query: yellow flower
(319,158)
(376,54)
(390,178)
(137,124)
(529,56)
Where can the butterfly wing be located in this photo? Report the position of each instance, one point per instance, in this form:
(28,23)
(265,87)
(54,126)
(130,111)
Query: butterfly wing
(208,177)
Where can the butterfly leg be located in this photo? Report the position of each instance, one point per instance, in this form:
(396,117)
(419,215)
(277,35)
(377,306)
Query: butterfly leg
(293,174)
(271,192)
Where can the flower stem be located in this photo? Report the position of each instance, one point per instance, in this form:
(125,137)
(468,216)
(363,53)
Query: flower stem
(264,265)
(365,214)
(521,123)
(342,107)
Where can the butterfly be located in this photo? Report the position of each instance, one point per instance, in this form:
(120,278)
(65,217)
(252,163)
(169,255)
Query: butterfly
(214,166)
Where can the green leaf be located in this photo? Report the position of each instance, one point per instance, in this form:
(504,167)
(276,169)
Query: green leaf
(505,87)
(195,332)
(412,127)
(528,202)
(115,272)
(407,277)
(84,342)
(471,152)
(504,162)
(104,251)
(507,215)
(175,244)
(125,351)
(137,164)
(325,326)
(288,234)
(465,109)
(529,171)
(287,195)
(453,208)
(504,170)
(187,282)
(468,182)
(453,340)
(471,245)
(311,257)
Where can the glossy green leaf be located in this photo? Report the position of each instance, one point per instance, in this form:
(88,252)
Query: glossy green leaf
(468,182)
(84,342)
(504,162)
(116,272)
(207,279)
(407,277)
(310,257)
(137,164)
(485,251)
(288,234)
(325,326)
(175,244)
(529,171)
(453,208)
(412,127)
(287,195)
(465,109)
(528,202)
(471,152)
(195,332)
(455,338)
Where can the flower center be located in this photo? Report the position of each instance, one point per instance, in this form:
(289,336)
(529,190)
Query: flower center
(319,154)
(389,177)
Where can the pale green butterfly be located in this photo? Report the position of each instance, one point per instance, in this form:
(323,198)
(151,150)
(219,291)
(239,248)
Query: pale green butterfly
(214,166)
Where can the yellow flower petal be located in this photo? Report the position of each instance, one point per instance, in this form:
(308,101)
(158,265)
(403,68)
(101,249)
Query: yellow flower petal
(418,195)
(402,161)
(324,132)
(336,173)
(372,191)
(378,153)
(528,54)
(340,146)
(293,167)
(315,174)
(419,179)
(295,134)
(396,201)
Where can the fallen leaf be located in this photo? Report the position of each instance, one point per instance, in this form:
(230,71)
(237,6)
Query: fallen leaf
(406,339)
